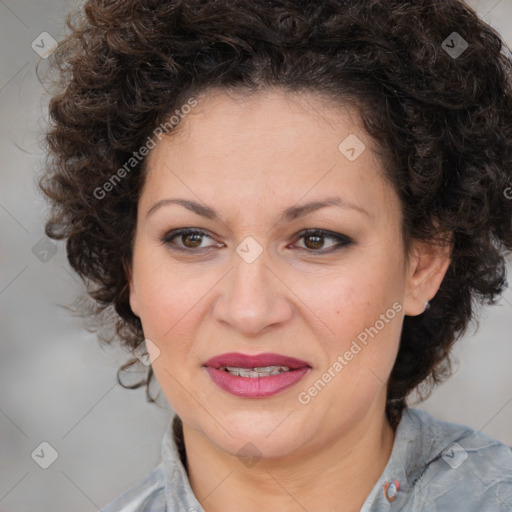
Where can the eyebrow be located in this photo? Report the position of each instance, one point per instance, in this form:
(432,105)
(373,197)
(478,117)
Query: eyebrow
(289,214)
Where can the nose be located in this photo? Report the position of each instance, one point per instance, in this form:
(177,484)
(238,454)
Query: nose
(253,297)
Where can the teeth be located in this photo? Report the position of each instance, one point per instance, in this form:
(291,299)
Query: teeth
(261,371)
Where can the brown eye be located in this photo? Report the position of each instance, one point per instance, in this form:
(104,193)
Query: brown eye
(314,240)
(190,239)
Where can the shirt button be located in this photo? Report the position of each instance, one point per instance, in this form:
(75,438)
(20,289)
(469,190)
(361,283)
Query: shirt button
(391,490)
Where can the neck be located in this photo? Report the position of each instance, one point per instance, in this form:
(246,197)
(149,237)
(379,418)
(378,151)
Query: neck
(338,475)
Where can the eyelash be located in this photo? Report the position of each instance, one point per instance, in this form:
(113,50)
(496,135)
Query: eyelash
(343,240)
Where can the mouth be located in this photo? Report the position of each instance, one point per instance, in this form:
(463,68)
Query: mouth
(258,371)
(255,376)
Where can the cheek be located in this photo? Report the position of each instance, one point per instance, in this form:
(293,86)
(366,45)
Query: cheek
(363,313)
(163,294)
(168,304)
(361,317)
(347,301)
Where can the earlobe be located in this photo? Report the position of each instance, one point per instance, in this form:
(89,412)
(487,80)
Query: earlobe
(428,264)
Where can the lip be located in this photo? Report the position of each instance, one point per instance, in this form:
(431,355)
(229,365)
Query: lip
(258,387)
(253,361)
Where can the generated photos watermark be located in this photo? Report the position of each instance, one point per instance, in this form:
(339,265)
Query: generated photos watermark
(143,151)
(344,359)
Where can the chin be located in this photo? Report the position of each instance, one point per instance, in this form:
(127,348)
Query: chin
(265,433)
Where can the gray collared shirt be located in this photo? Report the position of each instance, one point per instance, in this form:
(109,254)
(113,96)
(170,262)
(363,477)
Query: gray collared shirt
(435,466)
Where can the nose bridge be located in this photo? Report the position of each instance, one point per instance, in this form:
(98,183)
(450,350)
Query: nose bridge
(254,298)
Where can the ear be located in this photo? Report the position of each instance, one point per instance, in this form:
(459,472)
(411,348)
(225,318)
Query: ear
(427,266)
(133,296)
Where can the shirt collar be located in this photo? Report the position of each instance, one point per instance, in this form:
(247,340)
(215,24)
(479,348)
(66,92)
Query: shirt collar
(416,444)
(419,440)
(178,493)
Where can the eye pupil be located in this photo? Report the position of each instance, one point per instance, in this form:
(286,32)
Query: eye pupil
(316,245)
(192,235)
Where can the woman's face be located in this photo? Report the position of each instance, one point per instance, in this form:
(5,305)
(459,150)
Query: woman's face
(249,281)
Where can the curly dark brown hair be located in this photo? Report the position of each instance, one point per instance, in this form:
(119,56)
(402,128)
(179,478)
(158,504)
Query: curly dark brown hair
(432,83)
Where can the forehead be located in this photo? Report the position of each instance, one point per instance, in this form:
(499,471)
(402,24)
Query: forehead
(284,118)
(240,146)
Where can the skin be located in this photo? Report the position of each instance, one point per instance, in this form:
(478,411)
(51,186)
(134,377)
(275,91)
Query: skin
(250,158)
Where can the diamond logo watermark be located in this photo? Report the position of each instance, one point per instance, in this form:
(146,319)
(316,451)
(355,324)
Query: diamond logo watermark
(249,455)
(454,45)
(44,455)
(249,249)
(147,352)
(44,250)
(352,147)
(454,455)
(44,45)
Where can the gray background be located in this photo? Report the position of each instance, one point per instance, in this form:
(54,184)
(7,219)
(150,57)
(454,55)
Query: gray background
(58,385)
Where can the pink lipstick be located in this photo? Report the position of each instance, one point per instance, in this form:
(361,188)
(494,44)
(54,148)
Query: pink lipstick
(255,376)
